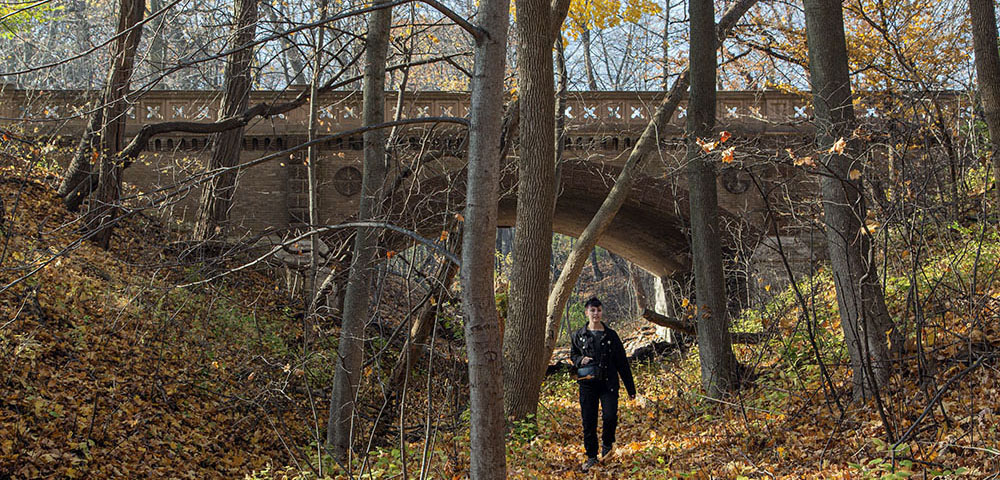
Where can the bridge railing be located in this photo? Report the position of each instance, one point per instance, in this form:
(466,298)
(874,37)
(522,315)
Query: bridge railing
(758,111)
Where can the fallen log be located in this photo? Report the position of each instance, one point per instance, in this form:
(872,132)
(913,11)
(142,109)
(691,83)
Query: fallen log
(688,328)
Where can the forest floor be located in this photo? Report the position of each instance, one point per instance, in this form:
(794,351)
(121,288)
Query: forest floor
(111,371)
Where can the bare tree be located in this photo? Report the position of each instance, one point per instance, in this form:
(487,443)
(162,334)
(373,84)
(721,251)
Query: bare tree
(535,192)
(103,209)
(863,314)
(482,329)
(217,196)
(715,351)
(984,38)
(357,298)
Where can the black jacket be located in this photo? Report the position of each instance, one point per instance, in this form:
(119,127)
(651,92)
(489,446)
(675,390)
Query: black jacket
(613,357)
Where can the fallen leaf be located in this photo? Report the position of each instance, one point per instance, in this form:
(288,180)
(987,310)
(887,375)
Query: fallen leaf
(838,146)
(804,162)
(727,155)
(706,146)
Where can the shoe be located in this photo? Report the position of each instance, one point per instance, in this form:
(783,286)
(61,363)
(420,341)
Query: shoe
(606,450)
(589,463)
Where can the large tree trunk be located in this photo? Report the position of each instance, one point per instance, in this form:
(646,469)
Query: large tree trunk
(357,299)
(715,350)
(863,315)
(643,150)
(217,196)
(482,329)
(535,192)
(984,40)
(103,208)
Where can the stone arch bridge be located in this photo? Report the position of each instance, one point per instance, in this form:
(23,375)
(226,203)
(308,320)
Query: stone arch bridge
(429,184)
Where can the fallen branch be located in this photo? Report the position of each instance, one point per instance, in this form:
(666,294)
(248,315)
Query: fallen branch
(688,328)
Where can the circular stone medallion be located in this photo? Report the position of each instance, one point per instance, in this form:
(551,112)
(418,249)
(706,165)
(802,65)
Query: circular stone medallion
(347,181)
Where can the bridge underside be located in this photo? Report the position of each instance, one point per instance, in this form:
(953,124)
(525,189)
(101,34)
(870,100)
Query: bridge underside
(649,230)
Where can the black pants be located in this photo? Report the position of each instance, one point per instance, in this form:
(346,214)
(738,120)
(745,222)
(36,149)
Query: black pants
(590,395)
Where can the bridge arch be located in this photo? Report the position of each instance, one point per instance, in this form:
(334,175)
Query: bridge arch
(649,230)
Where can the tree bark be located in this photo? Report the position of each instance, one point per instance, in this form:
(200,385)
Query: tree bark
(357,299)
(76,183)
(482,329)
(588,62)
(217,195)
(984,41)
(863,314)
(718,363)
(103,208)
(530,271)
(643,150)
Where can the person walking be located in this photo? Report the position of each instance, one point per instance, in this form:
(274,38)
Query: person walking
(599,357)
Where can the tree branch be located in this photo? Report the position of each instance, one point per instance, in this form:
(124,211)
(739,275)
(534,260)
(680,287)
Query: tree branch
(329,228)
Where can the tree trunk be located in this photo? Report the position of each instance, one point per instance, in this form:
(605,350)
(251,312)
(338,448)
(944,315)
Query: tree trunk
(357,298)
(643,150)
(312,158)
(588,62)
(482,331)
(863,314)
(103,208)
(158,44)
(530,271)
(666,44)
(984,40)
(598,274)
(217,195)
(76,183)
(715,350)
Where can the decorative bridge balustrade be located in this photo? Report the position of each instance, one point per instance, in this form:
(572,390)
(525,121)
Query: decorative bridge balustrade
(764,112)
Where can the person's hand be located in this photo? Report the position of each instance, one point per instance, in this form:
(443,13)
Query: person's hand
(585,360)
